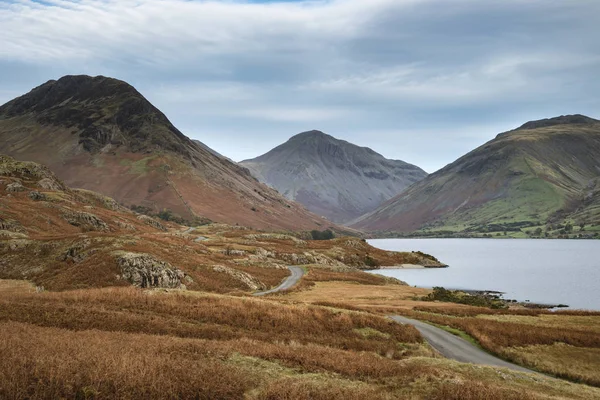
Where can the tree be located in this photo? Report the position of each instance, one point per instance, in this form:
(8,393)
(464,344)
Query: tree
(569,227)
(538,231)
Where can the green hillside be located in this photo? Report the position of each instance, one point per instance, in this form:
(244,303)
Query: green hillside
(542,179)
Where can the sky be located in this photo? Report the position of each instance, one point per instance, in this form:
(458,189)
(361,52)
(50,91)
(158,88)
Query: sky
(424,81)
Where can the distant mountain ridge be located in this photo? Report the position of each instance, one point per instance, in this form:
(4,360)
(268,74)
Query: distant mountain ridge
(101,134)
(332,177)
(538,175)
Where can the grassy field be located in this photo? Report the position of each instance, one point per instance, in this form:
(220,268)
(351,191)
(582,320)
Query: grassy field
(130,343)
(564,344)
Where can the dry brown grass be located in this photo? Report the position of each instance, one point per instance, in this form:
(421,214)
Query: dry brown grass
(495,334)
(387,298)
(503,332)
(8,286)
(575,363)
(304,389)
(208,316)
(479,391)
(127,343)
(510,339)
(43,363)
(471,311)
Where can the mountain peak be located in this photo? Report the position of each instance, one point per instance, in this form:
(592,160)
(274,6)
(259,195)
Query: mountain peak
(101,134)
(332,177)
(312,134)
(561,120)
(106,111)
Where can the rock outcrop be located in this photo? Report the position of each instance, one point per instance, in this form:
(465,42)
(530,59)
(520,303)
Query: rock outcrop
(84,220)
(145,271)
(151,222)
(29,171)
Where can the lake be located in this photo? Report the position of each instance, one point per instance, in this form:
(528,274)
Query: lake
(541,271)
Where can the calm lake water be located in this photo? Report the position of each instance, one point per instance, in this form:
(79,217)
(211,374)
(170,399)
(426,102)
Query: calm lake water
(543,271)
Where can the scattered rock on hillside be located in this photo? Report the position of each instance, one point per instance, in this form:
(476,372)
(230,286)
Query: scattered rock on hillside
(310,258)
(152,222)
(233,252)
(36,196)
(105,201)
(11,225)
(50,184)
(251,282)
(30,171)
(76,252)
(125,225)
(15,187)
(144,270)
(276,236)
(85,220)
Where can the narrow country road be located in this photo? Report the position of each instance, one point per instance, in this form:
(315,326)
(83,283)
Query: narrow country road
(198,239)
(297,274)
(456,348)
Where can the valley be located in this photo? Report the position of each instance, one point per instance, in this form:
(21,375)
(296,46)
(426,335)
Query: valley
(199,281)
(100,290)
(299,200)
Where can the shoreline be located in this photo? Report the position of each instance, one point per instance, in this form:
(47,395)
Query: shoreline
(487,294)
(402,266)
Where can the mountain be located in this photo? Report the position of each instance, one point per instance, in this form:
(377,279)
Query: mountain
(332,177)
(544,174)
(63,238)
(101,134)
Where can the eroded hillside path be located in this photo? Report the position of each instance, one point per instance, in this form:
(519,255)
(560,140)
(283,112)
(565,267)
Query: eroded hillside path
(456,348)
(290,281)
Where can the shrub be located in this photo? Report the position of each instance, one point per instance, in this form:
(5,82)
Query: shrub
(322,235)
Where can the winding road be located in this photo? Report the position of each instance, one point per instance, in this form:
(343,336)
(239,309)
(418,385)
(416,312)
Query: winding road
(447,344)
(456,348)
(297,274)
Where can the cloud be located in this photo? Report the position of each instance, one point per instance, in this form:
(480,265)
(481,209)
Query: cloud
(350,67)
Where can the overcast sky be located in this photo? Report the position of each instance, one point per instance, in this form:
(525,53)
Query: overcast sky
(424,81)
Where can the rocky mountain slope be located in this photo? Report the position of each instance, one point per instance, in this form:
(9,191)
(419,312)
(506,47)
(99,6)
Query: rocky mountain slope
(332,177)
(101,134)
(62,238)
(543,174)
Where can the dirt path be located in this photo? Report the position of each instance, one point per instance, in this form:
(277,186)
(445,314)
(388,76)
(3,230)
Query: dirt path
(198,239)
(456,348)
(297,274)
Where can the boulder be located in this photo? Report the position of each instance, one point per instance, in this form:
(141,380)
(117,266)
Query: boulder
(145,271)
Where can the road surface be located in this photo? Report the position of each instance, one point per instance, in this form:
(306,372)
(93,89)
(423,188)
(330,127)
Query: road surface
(297,273)
(456,348)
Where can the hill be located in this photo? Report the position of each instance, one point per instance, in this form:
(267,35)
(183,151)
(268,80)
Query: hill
(62,238)
(332,177)
(101,134)
(544,175)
